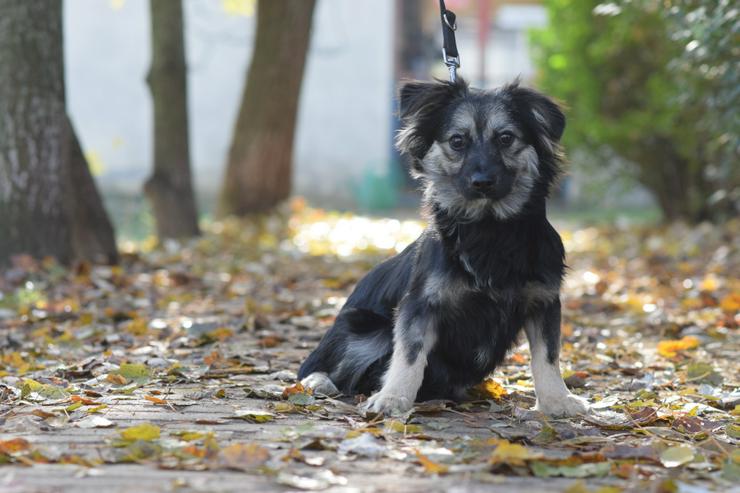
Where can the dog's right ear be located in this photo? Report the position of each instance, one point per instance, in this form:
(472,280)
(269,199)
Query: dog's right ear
(421,106)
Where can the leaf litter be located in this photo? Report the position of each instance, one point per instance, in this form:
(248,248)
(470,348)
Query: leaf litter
(184,358)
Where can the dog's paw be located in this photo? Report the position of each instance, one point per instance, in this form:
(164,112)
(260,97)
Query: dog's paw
(562,406)
(320,383)
(387,404)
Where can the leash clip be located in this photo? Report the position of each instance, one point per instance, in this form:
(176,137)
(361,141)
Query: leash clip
(453,63)
(450,56)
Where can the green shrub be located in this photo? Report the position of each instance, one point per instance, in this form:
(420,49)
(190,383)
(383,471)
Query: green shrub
(652,86)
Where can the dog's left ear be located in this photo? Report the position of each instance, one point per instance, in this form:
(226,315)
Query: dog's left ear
(421,105)
(547,115)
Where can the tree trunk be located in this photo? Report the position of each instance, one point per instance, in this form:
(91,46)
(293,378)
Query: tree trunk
(170,188)
(259,169)
(93,237)
(48,201)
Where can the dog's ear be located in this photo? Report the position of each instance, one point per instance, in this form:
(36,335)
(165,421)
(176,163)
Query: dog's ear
(545,113)
(421,108)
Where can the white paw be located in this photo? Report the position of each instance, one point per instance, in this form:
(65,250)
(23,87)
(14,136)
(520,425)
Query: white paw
(387,404)
(563,405)
(320,383)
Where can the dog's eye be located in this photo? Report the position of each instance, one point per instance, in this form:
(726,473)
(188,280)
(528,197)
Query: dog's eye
(457,142)
(506,139)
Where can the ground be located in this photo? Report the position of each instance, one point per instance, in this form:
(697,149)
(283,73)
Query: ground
(175,371)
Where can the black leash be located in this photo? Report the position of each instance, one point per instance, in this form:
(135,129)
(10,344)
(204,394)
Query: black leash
(449,47)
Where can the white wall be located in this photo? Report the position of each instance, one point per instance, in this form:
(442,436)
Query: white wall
(345,113)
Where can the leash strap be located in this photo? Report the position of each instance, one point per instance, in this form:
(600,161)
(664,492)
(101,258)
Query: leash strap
(450,56)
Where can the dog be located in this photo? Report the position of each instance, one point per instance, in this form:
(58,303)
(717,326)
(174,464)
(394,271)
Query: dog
(436,319)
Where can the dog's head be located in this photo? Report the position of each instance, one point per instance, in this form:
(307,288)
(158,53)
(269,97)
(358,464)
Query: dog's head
(480,152)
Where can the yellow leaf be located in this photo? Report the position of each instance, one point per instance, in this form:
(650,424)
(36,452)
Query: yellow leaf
(370,429)
(709,283)
(145,431)
(400,427)
(74,406)
(511,453)
(491,389)
(189,436)
(730,303)
(430,466)
(670,348)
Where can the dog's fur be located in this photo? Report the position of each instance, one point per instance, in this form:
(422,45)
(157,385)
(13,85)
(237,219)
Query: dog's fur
(436,319)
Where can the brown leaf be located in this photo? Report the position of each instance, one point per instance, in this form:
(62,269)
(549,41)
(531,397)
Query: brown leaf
(155,400)
(243,456)
(14,445)
(430,466)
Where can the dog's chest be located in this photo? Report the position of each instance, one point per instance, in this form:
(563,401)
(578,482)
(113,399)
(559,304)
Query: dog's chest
(453,291)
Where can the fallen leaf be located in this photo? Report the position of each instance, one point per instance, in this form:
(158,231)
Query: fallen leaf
(703,373)
(730,303)
(733,430)
(144,431)
(671,348)
(135,372)
(511,453)
(365,445)
(155,400)
(14,445)
(491,389)
(83,400)
(676,456)
(430,466)
(400,427)
(42,414)
(254,415)
(243,457)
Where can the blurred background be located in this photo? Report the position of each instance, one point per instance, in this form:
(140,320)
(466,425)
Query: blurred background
(630,73)
(651,90)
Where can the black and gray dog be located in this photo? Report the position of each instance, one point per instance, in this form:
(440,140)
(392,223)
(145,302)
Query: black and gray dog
(436,319)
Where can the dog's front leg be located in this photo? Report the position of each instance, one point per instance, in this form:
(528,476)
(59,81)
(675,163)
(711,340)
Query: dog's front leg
(413,339)
(553,397)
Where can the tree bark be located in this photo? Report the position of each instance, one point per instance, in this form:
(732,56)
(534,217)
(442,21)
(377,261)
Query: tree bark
(48,201)
(259,169)
(170,188)
(93,237)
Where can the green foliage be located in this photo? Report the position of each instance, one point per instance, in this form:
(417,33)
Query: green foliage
(651,86)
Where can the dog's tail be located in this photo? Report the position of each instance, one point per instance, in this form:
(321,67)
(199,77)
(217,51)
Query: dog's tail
(354,353)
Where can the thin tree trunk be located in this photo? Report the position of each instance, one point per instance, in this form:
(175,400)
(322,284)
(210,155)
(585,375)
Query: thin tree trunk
(48,201)
(170,188)
(259,169)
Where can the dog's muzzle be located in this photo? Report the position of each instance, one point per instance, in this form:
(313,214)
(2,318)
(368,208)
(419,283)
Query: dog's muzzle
(491,185)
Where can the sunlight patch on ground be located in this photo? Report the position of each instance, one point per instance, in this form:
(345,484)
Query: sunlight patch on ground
(318,232)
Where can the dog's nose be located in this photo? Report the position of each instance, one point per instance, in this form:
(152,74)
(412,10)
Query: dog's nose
(482,182)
